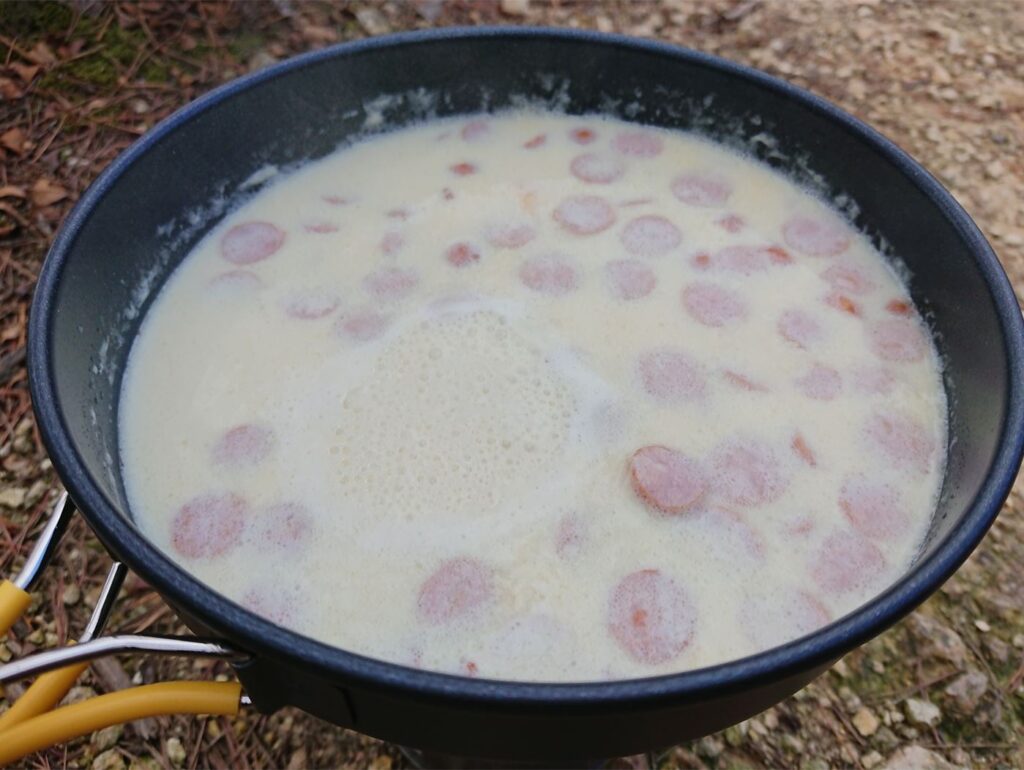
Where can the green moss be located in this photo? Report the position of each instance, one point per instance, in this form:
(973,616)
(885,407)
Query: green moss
(246,44)
(116,51)
(31,21)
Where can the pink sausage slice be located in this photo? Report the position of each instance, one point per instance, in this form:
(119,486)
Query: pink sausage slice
(457,589)
(593,168)
(897,339)
(284,525)
(846,561)
(630,279)
(650,236)
(209,525)
(820,383)
(666,480)
(704,190)
(814,237)
(873,508)
(651,617)
(714,305)
(903,441)
(549,275)
(747,473)
(251,242)
(585,214)
(638,144)
(244,446)
(671,376)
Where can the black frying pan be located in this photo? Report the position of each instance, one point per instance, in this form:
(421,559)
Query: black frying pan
(130,230)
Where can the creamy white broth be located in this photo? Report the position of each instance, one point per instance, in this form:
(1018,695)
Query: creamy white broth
(536,397)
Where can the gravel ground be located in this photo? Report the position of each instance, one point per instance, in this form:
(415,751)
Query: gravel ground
(944,79)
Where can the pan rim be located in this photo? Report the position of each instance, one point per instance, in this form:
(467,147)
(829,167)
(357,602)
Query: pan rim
(262,638)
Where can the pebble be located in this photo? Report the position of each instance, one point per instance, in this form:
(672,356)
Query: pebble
(78,694)
(12,497)
(709,747)
(175,752)
(515,7)
(917,758)
(106,738)
(817,763)
(110,759)
(71,596)
(1018,641)
(922,712)
(982,626)
(997,649)
(866,722)
(35,492)
(967,690)
(936,640)
(871,759)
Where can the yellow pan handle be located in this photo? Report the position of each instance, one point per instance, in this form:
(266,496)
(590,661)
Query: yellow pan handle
(45,693)
(13,603)
(114,708)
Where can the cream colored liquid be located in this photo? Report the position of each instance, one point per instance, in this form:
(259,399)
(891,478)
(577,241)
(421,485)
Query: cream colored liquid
(403,425)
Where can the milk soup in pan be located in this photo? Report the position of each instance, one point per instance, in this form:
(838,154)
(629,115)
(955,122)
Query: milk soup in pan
(537,397)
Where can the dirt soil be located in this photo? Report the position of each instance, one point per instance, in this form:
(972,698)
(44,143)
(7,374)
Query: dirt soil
(944,79)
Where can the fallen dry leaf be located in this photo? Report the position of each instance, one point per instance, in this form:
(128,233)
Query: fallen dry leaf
(46,192)
(25,71)
(10,90)
(10,191)
(42,54)
(14,140)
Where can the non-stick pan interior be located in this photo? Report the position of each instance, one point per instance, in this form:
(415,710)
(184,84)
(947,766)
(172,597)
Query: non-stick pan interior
(157,207)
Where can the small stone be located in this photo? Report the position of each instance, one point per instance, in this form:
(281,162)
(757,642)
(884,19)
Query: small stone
(709,747)
(885,739)
(515,7)
(78,694)
(878,666)
(213,729)
(372,20)
(792,744)
(175,752)
(866,722)
(106,738)
(871,759)
(35,492)
(917,758)
(735,735)
(841,669)
(936,640)
(110,759)
(997,649)
(260,60)
(995,169)
(922,712)
(1018,641)
(817,763)
(299,760)
(71,596)
(851,700)
(967,690)
(12,497)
